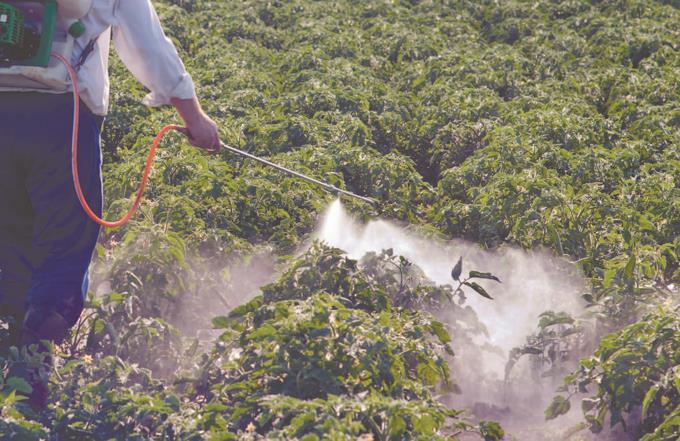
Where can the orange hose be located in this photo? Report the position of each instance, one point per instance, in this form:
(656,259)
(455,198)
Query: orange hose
(74,157)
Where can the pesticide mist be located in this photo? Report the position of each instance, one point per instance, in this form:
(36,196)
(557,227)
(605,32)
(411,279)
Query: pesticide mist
(532,282)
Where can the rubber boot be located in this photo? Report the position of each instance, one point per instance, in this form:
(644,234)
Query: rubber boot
(41,325)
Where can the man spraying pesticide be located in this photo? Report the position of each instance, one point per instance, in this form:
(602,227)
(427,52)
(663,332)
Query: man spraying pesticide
(53,97)
(46,239)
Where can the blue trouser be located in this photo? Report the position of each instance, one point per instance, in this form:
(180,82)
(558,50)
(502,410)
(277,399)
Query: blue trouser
(46,239)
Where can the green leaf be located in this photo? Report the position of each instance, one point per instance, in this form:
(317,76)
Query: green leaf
(481,291)
(608,277)
(68,366)
(298,424)
(20,385)
(428,372)
(116,297)
(251,306)
(558,406)
(397,426)
(222,322)
(457,269)
(649,397)
(424,424)
(480,275)
(646,224)
(629,269)
(551,318)
(178,254)
(265,330)
(99,326)
(101,251)
(439,330)
(491,431)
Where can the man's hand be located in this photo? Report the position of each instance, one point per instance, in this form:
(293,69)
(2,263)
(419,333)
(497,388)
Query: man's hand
(202,130)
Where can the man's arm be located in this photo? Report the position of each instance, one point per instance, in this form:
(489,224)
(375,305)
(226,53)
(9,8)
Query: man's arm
(152,58)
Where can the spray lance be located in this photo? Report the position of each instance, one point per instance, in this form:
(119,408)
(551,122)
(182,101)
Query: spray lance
(149,160)
(325,185)
(36,43)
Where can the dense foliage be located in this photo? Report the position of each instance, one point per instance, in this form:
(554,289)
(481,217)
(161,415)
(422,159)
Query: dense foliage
(636,369)
(539,123)
(335,348)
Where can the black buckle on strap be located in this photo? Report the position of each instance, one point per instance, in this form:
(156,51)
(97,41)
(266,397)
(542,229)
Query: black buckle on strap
(89,48)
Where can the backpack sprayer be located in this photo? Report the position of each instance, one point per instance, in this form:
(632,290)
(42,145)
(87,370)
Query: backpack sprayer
(30,32)
(36,44)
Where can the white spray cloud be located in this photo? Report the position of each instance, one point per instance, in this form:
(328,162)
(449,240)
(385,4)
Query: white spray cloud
(532,281)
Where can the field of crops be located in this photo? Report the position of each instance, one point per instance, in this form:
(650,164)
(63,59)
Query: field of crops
(539,125)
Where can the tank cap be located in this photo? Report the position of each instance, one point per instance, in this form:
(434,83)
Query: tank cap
(76,29)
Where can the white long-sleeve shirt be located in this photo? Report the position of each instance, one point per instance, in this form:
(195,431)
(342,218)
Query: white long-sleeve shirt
(140,43)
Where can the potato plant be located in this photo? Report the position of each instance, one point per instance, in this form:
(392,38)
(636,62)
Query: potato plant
(634,371)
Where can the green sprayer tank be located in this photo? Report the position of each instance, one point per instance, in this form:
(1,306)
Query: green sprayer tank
(26,32)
